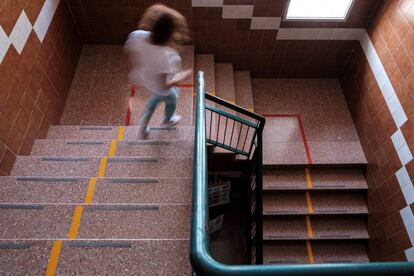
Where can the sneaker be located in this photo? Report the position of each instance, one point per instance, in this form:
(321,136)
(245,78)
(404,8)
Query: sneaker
(143,133)
(173,121)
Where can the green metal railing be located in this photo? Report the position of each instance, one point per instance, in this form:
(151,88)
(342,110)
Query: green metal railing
(204,264)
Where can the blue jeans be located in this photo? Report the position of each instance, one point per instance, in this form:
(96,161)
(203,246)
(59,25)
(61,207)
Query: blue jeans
(170,105)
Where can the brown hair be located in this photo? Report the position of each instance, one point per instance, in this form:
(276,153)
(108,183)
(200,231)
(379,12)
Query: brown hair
(180,33)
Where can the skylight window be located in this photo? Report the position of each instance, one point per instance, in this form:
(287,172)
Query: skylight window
(318,9)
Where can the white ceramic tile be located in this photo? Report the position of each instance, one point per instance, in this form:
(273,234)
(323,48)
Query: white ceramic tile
(409,253)
(238,11)
(408,192)
(410,232)
(398,139)
(407,216)
(207,3)
(45,18)
(265,23)
(20,33)
(4,44)
(404,154)
(386,87)
(399,117)
(403,177)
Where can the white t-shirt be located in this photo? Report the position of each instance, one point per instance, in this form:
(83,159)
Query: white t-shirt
(150,64)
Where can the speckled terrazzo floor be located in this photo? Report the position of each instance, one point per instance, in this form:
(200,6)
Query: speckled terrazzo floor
(327,123)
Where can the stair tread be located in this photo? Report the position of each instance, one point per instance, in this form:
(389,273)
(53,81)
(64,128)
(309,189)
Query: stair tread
(90,148)
(296,252)
(107,190)
(243,89)
(322,178)
(163,257)
(89,166)
(225,81)
(295,203)
(184,133)
(296,228)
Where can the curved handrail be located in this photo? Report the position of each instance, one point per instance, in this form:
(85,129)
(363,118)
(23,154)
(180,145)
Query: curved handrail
(204,264)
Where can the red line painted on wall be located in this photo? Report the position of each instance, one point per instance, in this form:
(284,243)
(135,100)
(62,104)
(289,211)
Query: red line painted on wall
(185,85)
(129,112)
(302,131)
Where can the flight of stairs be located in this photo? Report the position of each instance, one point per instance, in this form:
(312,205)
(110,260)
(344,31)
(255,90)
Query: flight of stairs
(135,210)
(312,214)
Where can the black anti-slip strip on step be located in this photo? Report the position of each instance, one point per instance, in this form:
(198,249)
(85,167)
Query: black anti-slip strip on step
(139,142)
(287,237)
(283,212)
(334,236)
(95,128)
(329,186)
(65,159)
(132,160)
(163,128)
(121,208)
(12,245)
(84,142)
(100,244)
(22,206)
(48,179)
(133,180)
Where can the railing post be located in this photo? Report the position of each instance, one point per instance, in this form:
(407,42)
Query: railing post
(259,197)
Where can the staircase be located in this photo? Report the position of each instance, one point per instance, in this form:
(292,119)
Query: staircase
(311,214)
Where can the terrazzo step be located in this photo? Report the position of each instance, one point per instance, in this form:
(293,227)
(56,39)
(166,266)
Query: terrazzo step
(321,179)
(183,133)
(135,221)
(98,221)
(126,190)
(322,203)
(243,89)
(296,252)
(89,166)
(225,81)
(90,148)
(97,257)
(319,228)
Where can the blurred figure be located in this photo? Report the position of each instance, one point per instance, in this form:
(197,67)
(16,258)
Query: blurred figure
(155,64)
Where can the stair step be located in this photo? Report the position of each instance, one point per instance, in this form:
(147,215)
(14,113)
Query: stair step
(296,252)
(329,203)
(322,228)
(321,179)
(183,133)
(96,148)
(35,221)
(107,190)
(89,166)
(243,88)
(225,81)
(135,222)
(97,257)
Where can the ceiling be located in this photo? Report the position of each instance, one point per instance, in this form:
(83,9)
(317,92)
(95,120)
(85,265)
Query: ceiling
(249,33)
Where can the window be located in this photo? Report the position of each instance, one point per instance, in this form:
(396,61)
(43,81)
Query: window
(336,10)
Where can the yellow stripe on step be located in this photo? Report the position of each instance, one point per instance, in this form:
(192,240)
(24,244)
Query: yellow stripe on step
(309,227)
(121,132)
(54,258)
(310,253)
(112,148)
(309,201)
(91,190)
(102,167)
(77,215)
(251,109)
(308,179)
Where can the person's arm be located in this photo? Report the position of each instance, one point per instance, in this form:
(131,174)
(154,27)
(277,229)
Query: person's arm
(179,77)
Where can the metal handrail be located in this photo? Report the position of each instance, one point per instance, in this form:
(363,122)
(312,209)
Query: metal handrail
(204,264)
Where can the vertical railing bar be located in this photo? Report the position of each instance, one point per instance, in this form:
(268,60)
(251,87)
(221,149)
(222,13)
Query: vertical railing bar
(245,138)
(238,138)
(211,124)
(225,131)
(252,143)
(232,130)
(259,198)
(218,128)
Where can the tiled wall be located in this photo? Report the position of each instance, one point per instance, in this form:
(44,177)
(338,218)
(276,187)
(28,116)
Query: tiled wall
(244,32)
(39,50)
(379,86)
